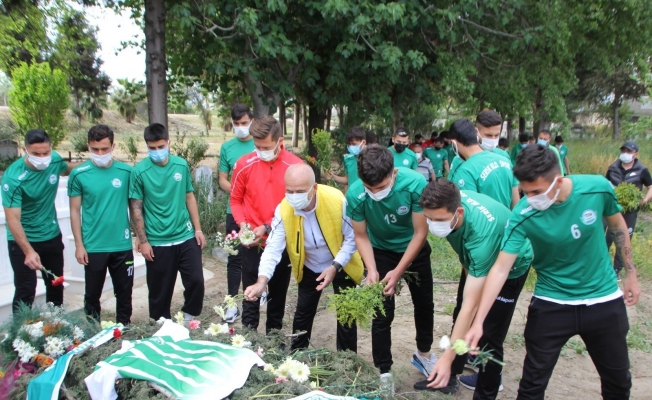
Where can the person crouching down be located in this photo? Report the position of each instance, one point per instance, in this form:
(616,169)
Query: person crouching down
(311,223)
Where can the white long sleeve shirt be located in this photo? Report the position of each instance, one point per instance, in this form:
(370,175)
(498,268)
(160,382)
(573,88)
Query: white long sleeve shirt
(318,255)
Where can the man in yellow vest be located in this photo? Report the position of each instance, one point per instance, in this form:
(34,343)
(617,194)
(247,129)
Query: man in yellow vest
(311,223)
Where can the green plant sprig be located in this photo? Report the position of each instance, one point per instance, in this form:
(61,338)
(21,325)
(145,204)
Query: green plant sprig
(629,197)
(358,305)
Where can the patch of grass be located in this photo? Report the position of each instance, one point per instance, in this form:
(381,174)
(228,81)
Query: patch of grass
(574,346)
(445,263)
(515,340)
(531,280)
(449,308)
(640,337)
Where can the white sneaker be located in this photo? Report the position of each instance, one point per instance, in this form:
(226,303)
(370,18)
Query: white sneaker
(425,365)
(231,315)
(387,384)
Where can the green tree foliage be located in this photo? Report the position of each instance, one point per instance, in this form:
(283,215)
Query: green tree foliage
(39,99)
(75,53)
(23,36)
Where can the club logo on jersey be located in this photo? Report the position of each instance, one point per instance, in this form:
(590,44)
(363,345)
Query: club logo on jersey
(589,217)
(177,177)
(189,225)
(402,210)
(116,183)
(361,195)
(127,234)
(405,162)
(438,155)
(53,179)
(23,175)
(526,210)
(460,183)
(5,187)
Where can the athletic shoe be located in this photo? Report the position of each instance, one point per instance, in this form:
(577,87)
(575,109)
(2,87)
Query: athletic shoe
(469,364)
(387,384)
(425,365)
(453,386)
(470,381)
(231,315)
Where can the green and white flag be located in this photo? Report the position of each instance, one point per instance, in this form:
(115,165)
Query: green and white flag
(187,369)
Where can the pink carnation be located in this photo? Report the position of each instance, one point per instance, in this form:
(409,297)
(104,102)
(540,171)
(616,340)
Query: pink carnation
(194,324)
(281,379)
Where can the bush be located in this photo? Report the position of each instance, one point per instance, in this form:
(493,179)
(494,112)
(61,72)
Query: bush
(130,147)
(79,141)
(193,152)
(8,130)
(39,100)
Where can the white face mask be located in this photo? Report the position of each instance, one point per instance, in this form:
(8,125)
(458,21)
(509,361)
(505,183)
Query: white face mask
(298,201)
(101,160)
(626,157)
(489,144)
(241,131)
(378,196)
(418,155)
(442,228)
(39,163)
(268,155)
(541,201)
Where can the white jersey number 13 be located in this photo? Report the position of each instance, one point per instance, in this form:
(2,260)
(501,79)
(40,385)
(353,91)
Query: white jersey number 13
(390,218)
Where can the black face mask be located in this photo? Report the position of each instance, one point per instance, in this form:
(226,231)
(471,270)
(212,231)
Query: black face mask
(399,147)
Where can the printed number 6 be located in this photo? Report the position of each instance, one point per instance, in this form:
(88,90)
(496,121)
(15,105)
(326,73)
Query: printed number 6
(575,231)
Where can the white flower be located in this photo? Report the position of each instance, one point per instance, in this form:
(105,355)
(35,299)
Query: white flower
(216,329)
(283,370)
(54,346)
(66,343)
(34,330)
(299,372)
(460,347)
(220,311)
(444,342)
(179,318)
(27,353)
(239,341)
(77,333)
(269,368)
(19,345)
(313,385)
(247,237)
(229,302)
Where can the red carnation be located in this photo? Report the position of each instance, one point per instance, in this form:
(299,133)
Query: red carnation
(117,333)
(231,331)
(58,281)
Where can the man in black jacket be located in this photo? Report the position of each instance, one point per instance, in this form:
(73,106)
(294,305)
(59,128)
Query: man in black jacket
(628,169)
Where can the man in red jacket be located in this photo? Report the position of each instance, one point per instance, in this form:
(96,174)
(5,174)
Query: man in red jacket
(257,187)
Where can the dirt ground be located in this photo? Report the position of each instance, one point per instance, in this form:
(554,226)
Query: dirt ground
(574,377)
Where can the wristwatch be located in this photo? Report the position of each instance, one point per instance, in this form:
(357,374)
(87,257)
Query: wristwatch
(268,228)
(338,266)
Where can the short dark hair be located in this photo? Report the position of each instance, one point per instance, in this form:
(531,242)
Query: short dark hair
(488,118)
(464,132)
(503,142)
(444,134)
(265,126)
(240,110)
(531,138)
(418,136)
(375,163)
(441,193)
(400,131)
(156,132)
(434,134)
(523,137)
(439,139)
(356,133)
(559,139)
(545,131)
(535,161)
(99,132)
(371,138)
(36,136)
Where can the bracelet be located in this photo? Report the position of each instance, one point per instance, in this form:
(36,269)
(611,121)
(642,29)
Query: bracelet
(338,266)
(199,232)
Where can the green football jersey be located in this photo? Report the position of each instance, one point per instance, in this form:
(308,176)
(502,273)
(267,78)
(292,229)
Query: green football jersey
(437,158)
(163,191)
(570,252)
(105,205)
(389,222)
(513,155)
(351,168)
(487,173)
(451,152)
(406,158)
(561,162)
(230,153)
(477,242)
(34,191)
(563,152)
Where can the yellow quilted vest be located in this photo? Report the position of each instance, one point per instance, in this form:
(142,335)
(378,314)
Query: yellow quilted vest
(329,218)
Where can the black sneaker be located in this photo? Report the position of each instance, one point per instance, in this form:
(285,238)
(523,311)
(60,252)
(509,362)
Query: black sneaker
(469,363)
(471,381)
(452,388)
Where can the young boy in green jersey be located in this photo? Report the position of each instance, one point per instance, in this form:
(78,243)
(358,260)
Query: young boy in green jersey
(479,170)
(99,203)
(166,220)
(241,117)
(438,156)
(576,291)
(356,140)
(474,225)
(390,234)
(29,187)
(563,154)
(516,149)
(543,139)
(403,157)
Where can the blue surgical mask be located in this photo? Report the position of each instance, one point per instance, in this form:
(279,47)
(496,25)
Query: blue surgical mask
(355,150)
(523,145)
(159,155)
(542,142)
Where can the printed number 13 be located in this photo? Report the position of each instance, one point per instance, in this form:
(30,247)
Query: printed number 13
(390,218)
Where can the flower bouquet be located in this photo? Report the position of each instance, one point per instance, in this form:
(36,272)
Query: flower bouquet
(231,241)
(460,347)
(359,304)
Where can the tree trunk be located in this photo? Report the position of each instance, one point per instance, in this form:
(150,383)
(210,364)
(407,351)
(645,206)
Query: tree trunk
(296,125)
(521,125)
(261,97)
(304,114)
(281,117)
(340,116)
(509,130)
(316,117)
(155,64)
(541,121)
(616,108)
(328,118)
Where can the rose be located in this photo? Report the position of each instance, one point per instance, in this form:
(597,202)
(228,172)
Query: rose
(117,333)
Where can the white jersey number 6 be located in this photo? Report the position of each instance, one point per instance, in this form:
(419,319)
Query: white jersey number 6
(575,231)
